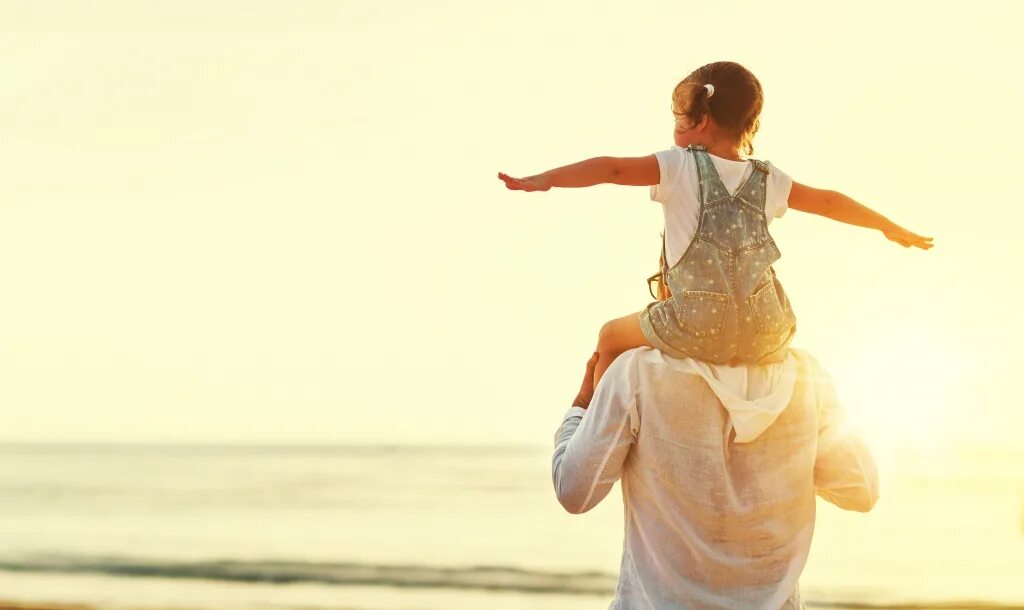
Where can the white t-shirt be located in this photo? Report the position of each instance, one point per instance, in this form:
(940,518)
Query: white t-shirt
(678,193)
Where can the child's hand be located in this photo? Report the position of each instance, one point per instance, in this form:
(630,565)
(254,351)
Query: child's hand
(531,183)
(908,239)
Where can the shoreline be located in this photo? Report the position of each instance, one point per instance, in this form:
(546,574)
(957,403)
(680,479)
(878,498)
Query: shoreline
(811,605)
(13,605)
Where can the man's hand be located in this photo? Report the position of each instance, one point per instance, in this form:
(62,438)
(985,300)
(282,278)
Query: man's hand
(907,238)
(530,183)
(587,387)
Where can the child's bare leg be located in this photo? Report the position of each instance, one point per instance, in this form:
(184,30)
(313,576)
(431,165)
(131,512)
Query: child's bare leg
(616,337)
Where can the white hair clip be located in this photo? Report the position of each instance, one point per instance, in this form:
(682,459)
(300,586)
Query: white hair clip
(710,88)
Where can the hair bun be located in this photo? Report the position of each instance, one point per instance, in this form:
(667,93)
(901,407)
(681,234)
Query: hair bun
(738,110)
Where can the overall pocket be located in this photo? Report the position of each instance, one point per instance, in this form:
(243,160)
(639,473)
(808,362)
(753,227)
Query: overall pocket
(767,309)
(702,313)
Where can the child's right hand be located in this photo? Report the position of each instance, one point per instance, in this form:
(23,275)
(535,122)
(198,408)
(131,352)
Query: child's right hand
(530,183)
(908,239)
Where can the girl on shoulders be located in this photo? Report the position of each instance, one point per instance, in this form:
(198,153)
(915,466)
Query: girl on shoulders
(724,303)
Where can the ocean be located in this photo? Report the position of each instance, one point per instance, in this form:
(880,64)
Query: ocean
(431,528)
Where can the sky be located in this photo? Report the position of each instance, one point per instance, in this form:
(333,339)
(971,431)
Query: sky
(266,222)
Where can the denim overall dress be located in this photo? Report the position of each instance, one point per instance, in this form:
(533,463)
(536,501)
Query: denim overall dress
(727,306)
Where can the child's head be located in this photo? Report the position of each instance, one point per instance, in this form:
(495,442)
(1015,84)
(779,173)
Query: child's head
(732,105)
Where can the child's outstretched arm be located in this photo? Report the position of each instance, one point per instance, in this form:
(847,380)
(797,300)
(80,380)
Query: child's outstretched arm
(630,171)
(838,206)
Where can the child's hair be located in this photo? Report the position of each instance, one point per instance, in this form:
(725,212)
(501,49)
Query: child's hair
(735,105)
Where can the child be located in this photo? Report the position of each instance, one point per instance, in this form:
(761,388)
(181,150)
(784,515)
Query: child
(723,303)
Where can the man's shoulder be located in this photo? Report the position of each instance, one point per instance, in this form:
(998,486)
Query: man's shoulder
(807,364)
(626,362)
(654,356)
(804,359)
(645,356)
(650,363)
(627,366)
(809,368)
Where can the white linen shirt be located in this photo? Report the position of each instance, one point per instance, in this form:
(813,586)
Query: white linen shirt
(709,523)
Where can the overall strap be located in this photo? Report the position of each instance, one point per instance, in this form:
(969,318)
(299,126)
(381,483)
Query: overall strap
(761,166)
(755,188)
(664,258)
(711,186)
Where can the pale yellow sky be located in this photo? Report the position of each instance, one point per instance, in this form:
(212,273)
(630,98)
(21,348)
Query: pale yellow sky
(280,222)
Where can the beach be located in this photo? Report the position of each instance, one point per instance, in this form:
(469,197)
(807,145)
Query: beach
(428,528)
(13,605)
(8,605)
(16,606)
(277,337)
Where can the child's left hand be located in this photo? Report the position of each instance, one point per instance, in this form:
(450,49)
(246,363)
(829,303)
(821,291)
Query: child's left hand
(908,239)
(531,183)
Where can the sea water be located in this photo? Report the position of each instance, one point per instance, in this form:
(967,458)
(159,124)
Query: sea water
(442,528)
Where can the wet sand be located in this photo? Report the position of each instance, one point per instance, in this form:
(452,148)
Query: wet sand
(20,606)
(810,605)
(578,602)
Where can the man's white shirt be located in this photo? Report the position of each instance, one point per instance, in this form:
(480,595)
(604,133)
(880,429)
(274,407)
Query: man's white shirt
(711,522)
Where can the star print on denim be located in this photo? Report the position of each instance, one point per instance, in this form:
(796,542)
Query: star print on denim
(728,307)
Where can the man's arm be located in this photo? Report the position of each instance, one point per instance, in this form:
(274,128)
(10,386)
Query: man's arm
(593,441)
(629,171)
(845,474)
(838,206)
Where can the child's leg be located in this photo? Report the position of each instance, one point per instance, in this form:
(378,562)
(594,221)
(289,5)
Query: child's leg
(616,337)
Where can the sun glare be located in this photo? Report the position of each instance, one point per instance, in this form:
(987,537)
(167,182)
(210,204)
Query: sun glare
(904,396)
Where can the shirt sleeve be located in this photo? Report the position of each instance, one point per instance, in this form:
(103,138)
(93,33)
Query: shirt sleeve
(591,445)
(845,473)
(670,165)
(779,186)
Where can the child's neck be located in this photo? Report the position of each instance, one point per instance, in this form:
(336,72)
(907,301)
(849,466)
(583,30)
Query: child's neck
(721,146)
(725,150)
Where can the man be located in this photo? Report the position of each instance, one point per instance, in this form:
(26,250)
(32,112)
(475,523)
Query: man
(719,467)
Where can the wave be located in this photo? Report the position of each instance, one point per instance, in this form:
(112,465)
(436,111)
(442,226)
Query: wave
(492,578)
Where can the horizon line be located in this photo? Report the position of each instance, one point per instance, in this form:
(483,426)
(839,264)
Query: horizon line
(269,444)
